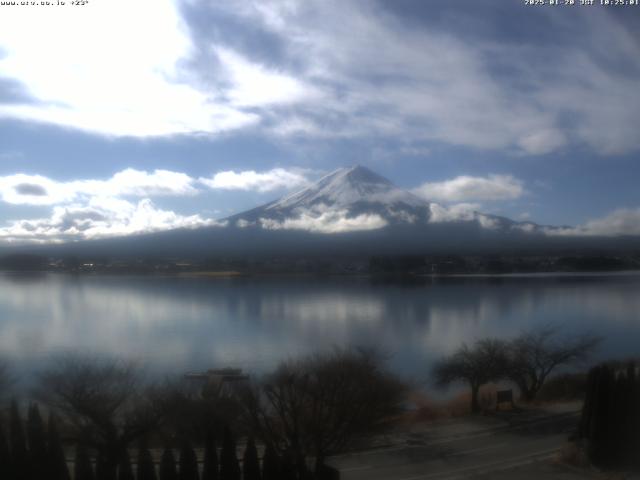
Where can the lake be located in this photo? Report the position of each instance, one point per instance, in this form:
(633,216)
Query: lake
(178,324)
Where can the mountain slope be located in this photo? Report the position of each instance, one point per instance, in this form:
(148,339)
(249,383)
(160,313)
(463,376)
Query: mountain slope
(354,199)
(348,199)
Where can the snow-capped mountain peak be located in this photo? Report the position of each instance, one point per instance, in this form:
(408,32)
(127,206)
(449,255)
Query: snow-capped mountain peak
(355,198)
(348,186)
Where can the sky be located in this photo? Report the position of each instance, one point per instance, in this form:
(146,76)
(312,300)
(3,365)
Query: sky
(125,116)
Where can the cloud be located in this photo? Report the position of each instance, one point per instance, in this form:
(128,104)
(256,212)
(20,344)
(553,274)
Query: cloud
(40,190)
(382,75)
(542,142)
(467,188)
(120,79)
(331,70)
(453,213)
(30,189)
(121,204)
(623,221)
(252,85)
(100,218)
(275,179)
(461,212)
(88,209)
(329,222)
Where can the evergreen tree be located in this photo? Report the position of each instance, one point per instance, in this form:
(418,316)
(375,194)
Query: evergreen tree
(599,441)
(188,463)
(82,467)
(270,464)
(56,459)
(125,471)
(168,466)
(19,453)
(250,463)
(628,422)
(210,468)
(611,416)
(229,467)
(617,420)
(105,470)
(37,442)
(287,467)
(588,406)
(5,458)
(146,468)
(635,419)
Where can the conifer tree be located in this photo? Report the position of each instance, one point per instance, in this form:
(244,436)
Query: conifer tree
(56,459)
(629,435)
(37,442)
(270,464)
(210,468)
(287,466)
(599,448)
(634,420)
(168,466)
(146,468)
(5,458)
(229,467)
(83,469)
(611,416)
(19,453)
(588,406)
(125,471)
(250,463)
(188,463)
(105,470)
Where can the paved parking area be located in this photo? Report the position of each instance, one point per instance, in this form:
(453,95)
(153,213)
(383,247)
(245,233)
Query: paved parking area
(479,448)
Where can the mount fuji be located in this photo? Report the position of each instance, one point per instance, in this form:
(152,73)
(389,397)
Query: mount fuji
(357,199)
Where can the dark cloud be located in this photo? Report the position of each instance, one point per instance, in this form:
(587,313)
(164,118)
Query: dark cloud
(30,189)
(210,25)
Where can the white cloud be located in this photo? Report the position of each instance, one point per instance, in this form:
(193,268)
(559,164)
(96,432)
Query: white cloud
(98,69)
(100,218)
(336,221)
(121,205)
(409,88)
(40,190)
(453,213)
(34,190)
(343,69)
(275,179)
(467,188)
(87,209)
(461,212)
(252,85)
(623,221)
(542,142)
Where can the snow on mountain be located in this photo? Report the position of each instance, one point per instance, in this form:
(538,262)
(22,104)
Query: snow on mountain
(354,199)
(347,186)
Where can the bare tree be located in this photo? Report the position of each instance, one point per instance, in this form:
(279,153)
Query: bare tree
(318,405)
(477,365)
(535,354)
(103,400)
(191,412)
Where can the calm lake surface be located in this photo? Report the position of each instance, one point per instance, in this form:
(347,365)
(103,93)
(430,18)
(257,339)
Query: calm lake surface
(173,324)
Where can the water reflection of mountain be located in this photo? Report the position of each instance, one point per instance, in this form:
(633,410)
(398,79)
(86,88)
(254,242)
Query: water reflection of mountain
(177,323)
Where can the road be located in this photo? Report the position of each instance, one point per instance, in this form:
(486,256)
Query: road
(475,449)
